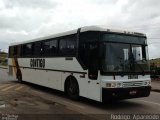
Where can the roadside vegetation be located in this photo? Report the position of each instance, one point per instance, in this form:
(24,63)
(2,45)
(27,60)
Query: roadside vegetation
(155,68)
(3,59)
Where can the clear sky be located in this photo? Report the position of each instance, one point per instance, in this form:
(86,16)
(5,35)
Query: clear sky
(27,19)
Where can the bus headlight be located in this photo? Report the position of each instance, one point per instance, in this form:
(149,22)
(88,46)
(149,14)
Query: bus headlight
(147,83)
(114,85)
(119,85)
(108,85)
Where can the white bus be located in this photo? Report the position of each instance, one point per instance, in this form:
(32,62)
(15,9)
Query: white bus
(93,62)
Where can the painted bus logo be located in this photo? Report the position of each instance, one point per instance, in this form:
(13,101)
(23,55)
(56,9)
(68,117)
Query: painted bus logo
(37,63)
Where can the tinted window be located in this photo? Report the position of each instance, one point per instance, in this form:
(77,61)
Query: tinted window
(10,51)
(67,45)
(71,46)
(123,38)
(27,49)
(53,47)
(84,54)
(50,47)
(62,46)
(18,50)
(88,41)
(14,50)
(37,49)
(46,48)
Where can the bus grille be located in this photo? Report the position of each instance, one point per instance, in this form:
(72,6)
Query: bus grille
(133,84)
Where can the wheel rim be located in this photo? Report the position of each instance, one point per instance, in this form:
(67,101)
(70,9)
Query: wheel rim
(19,78)
(72,89)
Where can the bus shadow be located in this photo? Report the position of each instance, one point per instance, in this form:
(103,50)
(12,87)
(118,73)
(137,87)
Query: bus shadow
(118,105)
(114,105)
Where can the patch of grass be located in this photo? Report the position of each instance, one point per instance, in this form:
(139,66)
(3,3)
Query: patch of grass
(155,61)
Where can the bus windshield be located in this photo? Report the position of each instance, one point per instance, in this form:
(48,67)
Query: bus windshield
(123,57)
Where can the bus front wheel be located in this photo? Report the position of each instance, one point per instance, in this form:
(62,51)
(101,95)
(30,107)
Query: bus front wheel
(72,89)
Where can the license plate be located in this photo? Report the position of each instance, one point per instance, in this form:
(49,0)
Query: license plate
(133,92)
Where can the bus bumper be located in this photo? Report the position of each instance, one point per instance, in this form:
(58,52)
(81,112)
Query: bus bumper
(111,94)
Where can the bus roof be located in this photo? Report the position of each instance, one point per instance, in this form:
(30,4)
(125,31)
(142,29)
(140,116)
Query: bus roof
(83,29)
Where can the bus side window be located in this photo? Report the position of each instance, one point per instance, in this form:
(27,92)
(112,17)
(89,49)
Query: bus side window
(15,51)
(62,46)
(37,49)
(46,48)
(27,49)
(11,51)
(71,46)
(18,50)
(53,47)
(67,45)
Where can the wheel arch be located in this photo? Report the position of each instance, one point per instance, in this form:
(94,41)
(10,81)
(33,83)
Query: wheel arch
(67,80)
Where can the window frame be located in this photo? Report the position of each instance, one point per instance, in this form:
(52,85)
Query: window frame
(29,54)
(35,45)
(67,38)
(49,52)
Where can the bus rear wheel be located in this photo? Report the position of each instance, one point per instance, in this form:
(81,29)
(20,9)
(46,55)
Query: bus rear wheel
(72,89)
(19,77)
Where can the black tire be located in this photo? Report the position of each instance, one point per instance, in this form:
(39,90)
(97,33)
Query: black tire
(19,77)
(72,89)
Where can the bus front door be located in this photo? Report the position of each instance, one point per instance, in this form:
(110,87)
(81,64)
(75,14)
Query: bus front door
(93,77)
